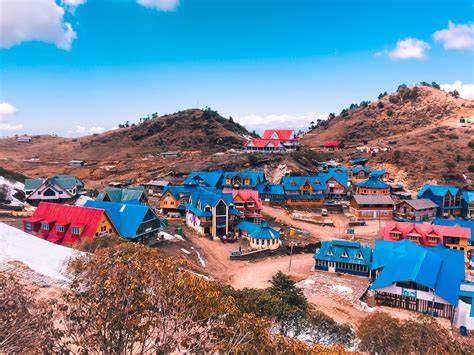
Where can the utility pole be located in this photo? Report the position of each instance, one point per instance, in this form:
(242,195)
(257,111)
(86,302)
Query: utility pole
(291,255)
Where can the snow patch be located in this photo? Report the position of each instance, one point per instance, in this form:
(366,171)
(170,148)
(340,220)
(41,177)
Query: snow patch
(201,260)
(185,251)
(342,289)
(12,188)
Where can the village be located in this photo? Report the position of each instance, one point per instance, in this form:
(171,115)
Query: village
(354,241)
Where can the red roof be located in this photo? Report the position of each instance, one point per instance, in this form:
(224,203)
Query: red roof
(247,195)
(332,144)
(67,214)
(283,134)
(262,143)
(424,230)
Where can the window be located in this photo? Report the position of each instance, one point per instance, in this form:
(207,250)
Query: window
(28,226)
(45,226)
(344,254)
(221,209)
(359,256)
(60,229)
(329,252)
(76,230)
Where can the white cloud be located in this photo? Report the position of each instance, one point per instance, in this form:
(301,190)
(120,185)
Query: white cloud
(7,109)
(94,130)
(71,5)
(466,91)
(259,123)
(456,36)
(80,129)
(409,48)
(160,5)
(36,20)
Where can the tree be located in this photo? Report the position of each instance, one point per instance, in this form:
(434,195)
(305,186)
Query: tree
(380,104)
(455,94)
(379,333)
(435,85)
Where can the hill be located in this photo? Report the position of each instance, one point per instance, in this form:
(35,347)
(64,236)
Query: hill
(431,143)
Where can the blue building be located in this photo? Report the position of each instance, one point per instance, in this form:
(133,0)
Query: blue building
(243,180)
(373,186)
(447,198)
(468,204)
(343,256)
(133,221)
(268,191)
(260,236)
(417,278)
(205,179)
(459,223)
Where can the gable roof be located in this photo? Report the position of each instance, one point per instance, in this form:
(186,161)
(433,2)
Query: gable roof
(126,217)
(438,190)
(159,183)
(270,188)
(262,143)
(425,229)
(456,222)
(210,178)
(357,170)
(79,216)
(373,183)
(33,184)
(373,199)
(420,204)
(255,177)
(377,173)
(62,180)
(332,144)
(437,268)
(468,197)
(118,194)
(283,134)
(259,231)
(209,197)
(178,191)
(318,182)
(334,250)
(246,195)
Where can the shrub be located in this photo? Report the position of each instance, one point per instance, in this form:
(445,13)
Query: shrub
(470,168)
(380,104)
(389,112)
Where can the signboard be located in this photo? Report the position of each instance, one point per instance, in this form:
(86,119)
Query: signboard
(408,293)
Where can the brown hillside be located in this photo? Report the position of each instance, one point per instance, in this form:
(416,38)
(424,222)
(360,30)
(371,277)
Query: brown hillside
(431,143)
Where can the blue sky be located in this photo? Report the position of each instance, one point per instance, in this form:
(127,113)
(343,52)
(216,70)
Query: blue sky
(279,63)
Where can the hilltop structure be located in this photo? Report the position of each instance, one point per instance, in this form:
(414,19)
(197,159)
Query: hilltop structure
(274,141)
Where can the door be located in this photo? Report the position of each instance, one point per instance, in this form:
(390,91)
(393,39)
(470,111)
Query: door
(332,266)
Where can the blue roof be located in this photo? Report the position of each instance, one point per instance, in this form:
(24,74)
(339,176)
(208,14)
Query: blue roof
(344,251)
(204,178)
(468,196)
(208,197)
(270,188)
(373,183)
(339,170)
(356,170)
(264,231)
(318,182)
(255,178)
(247,226)
(437,268)
(438,190)
(456,222)
(377,173)
(126,217)
(177,191)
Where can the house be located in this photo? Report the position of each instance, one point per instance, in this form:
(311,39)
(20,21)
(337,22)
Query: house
(248,203)
(260,236)
(170,154)
(371,206)
(380,174)
(448,199)
(417,278)
(360,173)
(205,179)
(344,257)
(416,210)
(175,198)
(459,223)
(464,315)
(67,224)
(123,194)
(468,204)
(211,212)
(156,187)
(273,141)
(314,190)
(452,237)
(58,188)
(372,186)
(243,180)
(135,222)
(77,163)
(269,191)
(332,146)
(24,139)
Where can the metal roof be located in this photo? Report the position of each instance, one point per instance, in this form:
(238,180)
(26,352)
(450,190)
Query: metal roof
(373,199)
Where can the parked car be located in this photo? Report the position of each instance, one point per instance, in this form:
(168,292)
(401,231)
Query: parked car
(228,238)
(324,212)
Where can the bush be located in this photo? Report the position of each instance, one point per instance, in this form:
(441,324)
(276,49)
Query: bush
(394,99)
(380,104)
(389,112)
(471,144)
(470,168)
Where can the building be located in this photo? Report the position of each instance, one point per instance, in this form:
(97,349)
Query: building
(175,198)
(155,187)
(452,237)
(380,174)
(205,179)
(211,212)
(416,210)
(464,316)
(417,278)
(58,188)
(24,139)
(77,163)
(360,173)
(269,191)
(371,206)
(170,154)
(332,146)
(458,223)
(273,141)
(248,203)
(67,225)
(447,198)
(260,236)
(344,257)
(123,194)
(314,190)
(243,180)
(468,204)
(372,186)
(135,222)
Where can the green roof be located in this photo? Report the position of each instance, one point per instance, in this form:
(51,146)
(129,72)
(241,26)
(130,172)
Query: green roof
(116,194)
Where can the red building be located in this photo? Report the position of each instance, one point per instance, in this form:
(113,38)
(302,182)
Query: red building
(332,145)
(248,203)
(67,224)
(427,234)
(273,141)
